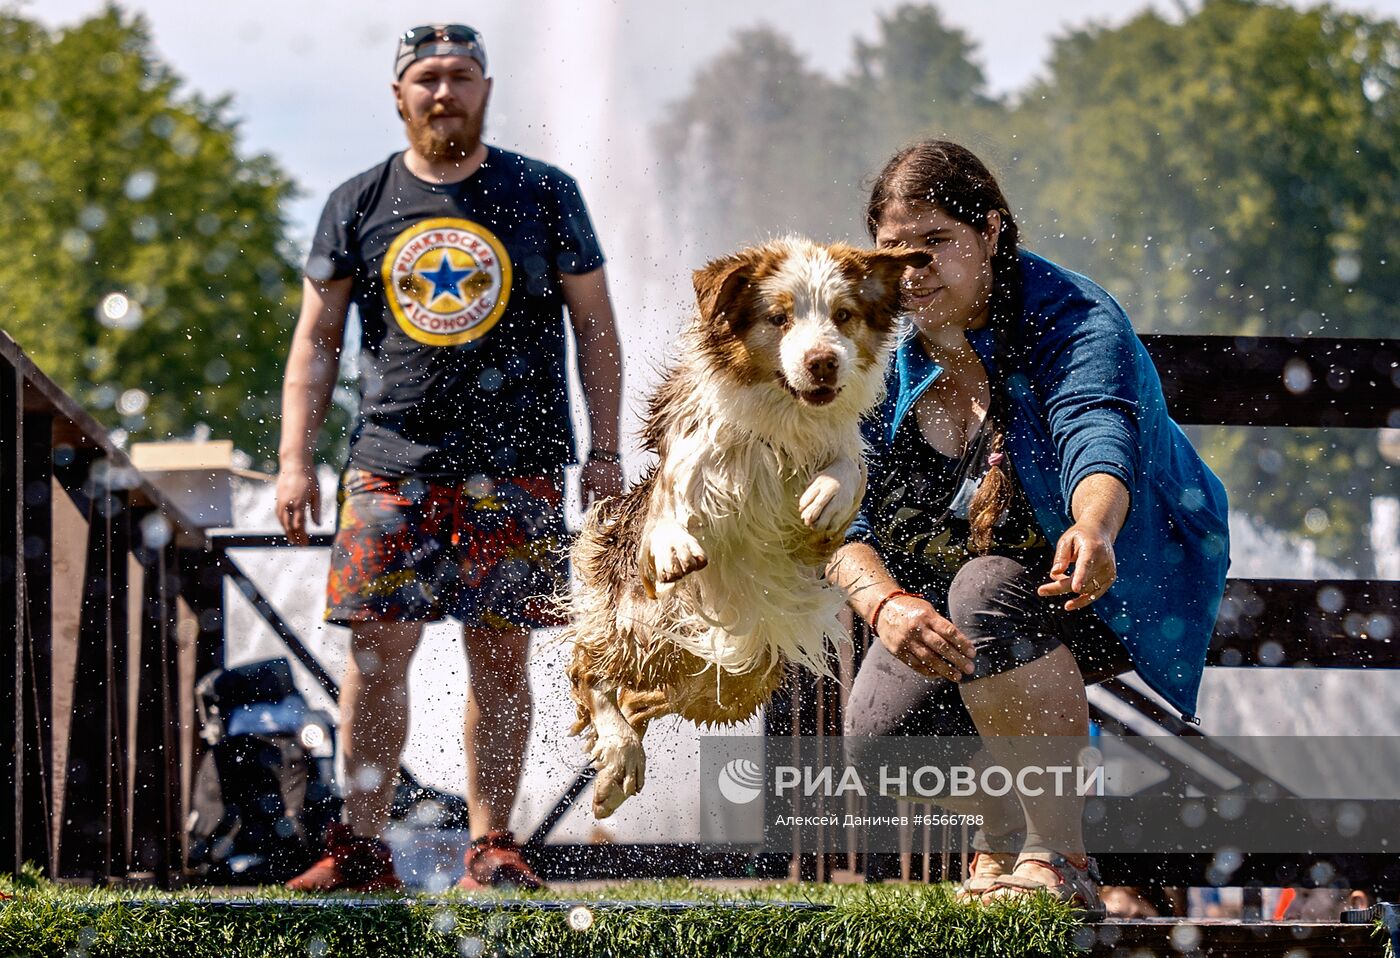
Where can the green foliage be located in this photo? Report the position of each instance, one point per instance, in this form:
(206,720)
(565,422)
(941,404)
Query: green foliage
(1231,171)
(863,922)
(119,182)
(764,144)
(1235,173)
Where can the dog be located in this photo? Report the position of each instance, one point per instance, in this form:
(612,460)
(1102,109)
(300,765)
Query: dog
(699,585)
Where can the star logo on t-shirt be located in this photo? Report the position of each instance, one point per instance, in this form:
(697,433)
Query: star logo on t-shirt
(446,280)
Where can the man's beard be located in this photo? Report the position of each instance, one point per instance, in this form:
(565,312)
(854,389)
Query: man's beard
(445,146)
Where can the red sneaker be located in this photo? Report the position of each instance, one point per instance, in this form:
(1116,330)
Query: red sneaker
(353,863)
(495,861)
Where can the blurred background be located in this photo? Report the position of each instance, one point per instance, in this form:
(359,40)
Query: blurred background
(1221,166)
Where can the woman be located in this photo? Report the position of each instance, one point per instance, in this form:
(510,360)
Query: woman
(1034,519)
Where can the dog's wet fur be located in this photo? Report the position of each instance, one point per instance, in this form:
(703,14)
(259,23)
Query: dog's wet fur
(699,585)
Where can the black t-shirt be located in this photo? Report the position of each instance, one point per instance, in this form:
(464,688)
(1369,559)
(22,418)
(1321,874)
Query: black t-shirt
(918,510)
(462,365)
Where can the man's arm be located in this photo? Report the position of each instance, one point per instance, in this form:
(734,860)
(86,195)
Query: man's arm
(600,371)
(306,396)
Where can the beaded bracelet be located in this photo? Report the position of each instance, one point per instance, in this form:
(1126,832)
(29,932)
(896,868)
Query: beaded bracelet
(880,607)
(604,455)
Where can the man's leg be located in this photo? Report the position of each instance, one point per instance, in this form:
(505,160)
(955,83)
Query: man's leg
(497,728)
(374,718)
(373,723)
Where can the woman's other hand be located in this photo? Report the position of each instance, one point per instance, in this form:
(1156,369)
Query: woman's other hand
(1089,550)
(913,631)
(1100,507)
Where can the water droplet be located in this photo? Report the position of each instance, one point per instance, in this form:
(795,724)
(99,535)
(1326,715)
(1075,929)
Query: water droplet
(1347,268)
(76,243)
(92,218)
(145,228)
(133,402)
(1330,599)
(140,185)
(368,778)
(1297,377)
(580,918)
(1186,937)
(1316,520)
(155,530)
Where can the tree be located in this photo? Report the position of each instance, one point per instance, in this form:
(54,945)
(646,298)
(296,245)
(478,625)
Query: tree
(149,272)
(747,150)
(764,144)
(920,78)
(1235,173)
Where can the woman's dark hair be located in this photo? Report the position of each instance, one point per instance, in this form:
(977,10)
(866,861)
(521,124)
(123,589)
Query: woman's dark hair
(949,177)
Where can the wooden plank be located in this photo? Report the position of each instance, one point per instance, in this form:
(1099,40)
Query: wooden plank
(70,539)
(1331,623)
(1278,381)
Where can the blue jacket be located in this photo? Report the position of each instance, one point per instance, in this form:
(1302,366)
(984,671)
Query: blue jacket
(1085,398)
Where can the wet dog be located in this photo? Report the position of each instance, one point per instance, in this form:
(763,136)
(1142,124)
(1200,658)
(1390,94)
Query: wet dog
(701,583)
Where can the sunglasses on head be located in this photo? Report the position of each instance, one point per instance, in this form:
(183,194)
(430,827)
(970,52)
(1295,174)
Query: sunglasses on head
(451,32)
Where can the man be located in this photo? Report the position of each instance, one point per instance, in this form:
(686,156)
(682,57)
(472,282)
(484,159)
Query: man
(460,258)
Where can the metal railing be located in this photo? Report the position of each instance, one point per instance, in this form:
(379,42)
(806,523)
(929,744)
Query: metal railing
(113,605)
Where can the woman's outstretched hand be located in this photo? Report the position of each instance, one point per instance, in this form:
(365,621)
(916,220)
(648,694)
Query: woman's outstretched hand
(1089,550)
(922,639)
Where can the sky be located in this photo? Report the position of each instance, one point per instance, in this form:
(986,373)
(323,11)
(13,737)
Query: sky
(578,81)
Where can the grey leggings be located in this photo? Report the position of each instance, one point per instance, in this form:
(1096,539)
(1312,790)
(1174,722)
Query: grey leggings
(993,602)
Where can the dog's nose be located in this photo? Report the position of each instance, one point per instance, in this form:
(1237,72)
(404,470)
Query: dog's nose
(821,365)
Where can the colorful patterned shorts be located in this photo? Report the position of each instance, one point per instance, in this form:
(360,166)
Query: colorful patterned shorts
(488,552)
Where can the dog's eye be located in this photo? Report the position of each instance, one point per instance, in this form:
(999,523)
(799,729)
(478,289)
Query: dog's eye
(841,315)
(778,318)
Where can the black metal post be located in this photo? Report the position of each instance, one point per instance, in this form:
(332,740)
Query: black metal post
(12,617)
(37,641)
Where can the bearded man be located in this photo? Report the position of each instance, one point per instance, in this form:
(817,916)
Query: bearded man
(460,258)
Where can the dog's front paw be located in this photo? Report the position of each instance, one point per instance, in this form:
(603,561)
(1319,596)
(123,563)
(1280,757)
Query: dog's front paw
(622,766)
(674,553)
(829,499)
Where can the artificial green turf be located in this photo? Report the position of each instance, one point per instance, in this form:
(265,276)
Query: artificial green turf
(865,920)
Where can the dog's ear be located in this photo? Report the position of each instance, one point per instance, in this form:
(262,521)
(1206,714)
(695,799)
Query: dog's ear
(878,272)
(719,283)
(896,258)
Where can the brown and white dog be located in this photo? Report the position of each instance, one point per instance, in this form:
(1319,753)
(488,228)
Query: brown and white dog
(698,585)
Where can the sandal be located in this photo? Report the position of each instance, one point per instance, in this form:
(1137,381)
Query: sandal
(1077,887)
(986,869)
(988,866)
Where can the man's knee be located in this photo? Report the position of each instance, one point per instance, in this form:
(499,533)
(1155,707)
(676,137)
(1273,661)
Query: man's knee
(498,658)
(383,650)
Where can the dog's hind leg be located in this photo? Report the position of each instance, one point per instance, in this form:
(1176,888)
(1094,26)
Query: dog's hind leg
(639,708)
(617,754)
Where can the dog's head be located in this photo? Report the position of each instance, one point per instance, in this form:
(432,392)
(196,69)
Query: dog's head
(810,320)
